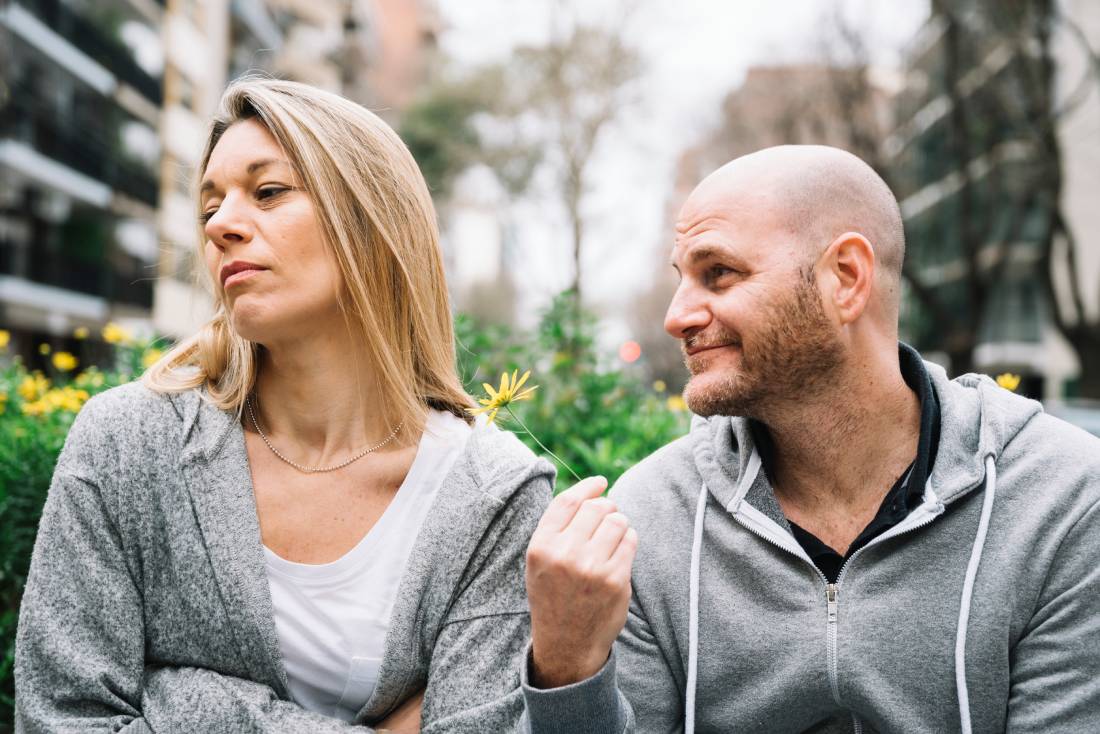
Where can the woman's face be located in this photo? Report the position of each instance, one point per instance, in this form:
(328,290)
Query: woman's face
(263,246)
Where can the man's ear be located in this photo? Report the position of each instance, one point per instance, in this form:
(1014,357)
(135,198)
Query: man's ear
(850,260)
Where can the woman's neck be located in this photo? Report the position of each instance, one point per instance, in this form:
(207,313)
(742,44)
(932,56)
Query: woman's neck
(319,396)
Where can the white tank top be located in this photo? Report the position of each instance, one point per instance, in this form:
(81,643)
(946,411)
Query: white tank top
(332,618)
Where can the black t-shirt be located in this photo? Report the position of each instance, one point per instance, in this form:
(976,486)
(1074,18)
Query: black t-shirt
(908,490)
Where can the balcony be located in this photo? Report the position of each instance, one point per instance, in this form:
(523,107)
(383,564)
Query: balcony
(77,255)
(91,39)
(67,141)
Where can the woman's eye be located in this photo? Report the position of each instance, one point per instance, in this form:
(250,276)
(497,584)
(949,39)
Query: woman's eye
(268,192)
(207,215)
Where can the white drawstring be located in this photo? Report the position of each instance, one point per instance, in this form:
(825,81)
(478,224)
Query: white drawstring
(967,594)
(693,614)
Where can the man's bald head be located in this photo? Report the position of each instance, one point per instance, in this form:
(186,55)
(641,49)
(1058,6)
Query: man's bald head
(817,193)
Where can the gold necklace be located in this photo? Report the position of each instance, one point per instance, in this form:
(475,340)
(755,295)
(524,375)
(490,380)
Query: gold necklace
(316,469)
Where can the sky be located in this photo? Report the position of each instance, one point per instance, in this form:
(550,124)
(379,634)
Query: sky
(695,52)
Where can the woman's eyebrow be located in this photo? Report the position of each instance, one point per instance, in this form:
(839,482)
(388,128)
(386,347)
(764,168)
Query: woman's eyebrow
(253,168)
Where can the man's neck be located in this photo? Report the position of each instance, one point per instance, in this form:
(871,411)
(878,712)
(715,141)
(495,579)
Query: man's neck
(837,453)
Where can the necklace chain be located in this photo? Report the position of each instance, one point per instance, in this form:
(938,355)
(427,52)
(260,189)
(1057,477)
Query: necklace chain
(316,469)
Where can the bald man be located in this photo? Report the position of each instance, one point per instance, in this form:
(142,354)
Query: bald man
(846,541)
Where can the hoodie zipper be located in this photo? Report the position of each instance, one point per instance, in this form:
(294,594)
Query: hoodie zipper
(832,591)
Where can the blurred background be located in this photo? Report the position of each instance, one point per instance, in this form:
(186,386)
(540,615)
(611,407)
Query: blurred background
(559,139)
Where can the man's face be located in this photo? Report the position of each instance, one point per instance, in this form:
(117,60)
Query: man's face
(750,318)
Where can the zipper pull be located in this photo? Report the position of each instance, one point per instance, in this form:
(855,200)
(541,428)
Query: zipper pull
(830,597)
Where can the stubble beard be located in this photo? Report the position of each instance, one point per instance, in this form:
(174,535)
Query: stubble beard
(796,353)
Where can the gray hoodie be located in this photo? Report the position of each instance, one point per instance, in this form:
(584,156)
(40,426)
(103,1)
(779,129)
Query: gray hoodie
(979,612)
(147,606)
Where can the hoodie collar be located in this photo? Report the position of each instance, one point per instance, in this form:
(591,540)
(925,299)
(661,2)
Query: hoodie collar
(977,419)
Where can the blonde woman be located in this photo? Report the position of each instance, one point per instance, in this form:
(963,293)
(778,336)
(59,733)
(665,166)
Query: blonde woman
(290,524)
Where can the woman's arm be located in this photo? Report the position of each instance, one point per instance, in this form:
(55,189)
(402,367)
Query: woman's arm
(473,678)
(80,641)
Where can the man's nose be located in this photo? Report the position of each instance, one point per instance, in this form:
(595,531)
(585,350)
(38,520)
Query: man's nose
(687,313)
(230,224)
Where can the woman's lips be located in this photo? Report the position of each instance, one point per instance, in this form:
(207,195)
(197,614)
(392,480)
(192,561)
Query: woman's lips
(241,276)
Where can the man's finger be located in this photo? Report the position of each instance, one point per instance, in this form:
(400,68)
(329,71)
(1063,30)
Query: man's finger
(623,557)
(608,536)
(563,507)
(583,525)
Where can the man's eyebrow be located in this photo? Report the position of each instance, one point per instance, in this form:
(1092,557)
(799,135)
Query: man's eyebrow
(705,252)
(253,168)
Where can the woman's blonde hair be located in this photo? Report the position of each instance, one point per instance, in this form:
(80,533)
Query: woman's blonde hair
(376,215)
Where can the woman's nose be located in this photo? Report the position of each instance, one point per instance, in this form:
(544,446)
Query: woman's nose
(229,225)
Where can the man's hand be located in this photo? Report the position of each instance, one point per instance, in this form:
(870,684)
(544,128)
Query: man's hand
(578,584)
(405,719)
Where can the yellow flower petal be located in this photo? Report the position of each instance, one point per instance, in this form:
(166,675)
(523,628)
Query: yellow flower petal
(489,389)
(526,394)
(522,380)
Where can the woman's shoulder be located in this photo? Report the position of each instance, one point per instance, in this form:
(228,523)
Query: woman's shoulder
(499,464)
(130,419)
(133,404)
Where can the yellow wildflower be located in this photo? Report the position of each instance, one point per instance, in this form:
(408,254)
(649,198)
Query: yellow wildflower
(676,404)
(5,337)
(33,386)
(115,334)
(150,357)
(66,398)
(508,393)
(43,349)
(503,397)
(37,407)
(1008,381)
(65,361)
(81,332)
(90,377)
(3,402)
(660,386)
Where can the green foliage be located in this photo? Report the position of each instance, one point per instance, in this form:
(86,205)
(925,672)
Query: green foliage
(597,419)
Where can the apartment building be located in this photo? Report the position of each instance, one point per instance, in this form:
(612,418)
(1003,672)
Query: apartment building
(977,183)
(80,95)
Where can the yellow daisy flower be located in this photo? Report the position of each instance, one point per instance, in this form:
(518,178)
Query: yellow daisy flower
(43,349)
(81,332)
(65,362)
(115,334)
(1008,381)
(5,338)
(508,393)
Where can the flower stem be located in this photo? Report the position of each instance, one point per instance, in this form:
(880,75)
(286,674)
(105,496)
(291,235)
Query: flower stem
(540,443)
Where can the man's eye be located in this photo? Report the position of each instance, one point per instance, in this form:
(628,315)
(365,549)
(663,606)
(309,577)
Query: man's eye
(717,271)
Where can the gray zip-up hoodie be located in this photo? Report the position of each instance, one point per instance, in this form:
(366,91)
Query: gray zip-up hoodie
(979,612)
(147,606)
